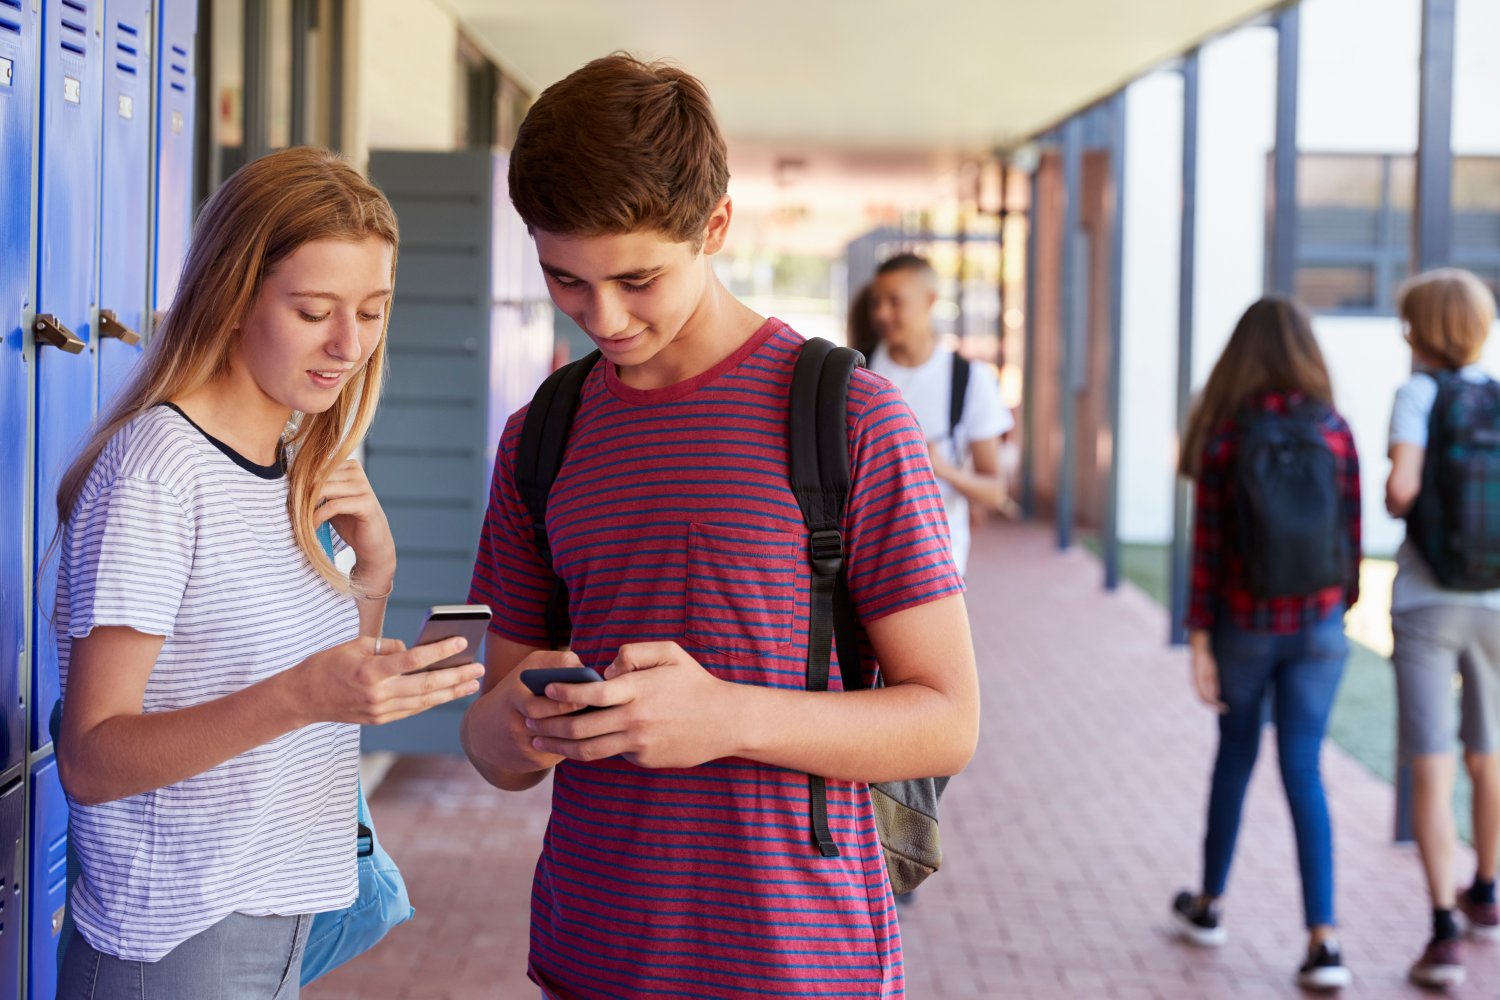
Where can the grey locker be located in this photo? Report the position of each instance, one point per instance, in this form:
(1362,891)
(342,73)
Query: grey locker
(470,339)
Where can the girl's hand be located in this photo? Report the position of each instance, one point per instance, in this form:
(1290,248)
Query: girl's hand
(1206,677)
(350,503)
(352,683)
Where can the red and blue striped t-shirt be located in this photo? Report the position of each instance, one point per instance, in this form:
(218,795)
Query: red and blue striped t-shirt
(673,519)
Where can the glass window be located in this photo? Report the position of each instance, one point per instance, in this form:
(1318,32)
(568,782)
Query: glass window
(1335,287)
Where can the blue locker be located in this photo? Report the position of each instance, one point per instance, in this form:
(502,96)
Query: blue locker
(18,55)
(124,190)
(68,171)
(12,826)
(177,28)
(47,879)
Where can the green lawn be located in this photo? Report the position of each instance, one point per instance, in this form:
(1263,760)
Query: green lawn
(1364,716)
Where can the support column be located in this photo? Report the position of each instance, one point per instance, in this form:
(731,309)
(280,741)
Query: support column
(1282,272)
(1182,497)
(1070,326)
(1116,321)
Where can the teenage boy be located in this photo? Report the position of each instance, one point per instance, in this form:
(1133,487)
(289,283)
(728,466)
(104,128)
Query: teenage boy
(909,355)
(678,859)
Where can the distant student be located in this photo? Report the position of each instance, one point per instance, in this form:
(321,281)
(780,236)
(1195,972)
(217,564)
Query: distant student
(1445,604)
(1276,551)
(678,860)
(956,402)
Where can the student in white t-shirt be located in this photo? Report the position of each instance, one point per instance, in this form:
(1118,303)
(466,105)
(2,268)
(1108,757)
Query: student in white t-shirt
(214,661)
(966,452)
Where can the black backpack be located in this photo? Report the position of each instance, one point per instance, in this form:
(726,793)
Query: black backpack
(1455,521)
(817,432)
(1289,510)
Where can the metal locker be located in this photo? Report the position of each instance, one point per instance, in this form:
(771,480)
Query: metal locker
(124,190)
(18,57)
(67,201)
(12,879)
(47,877)
(176,81)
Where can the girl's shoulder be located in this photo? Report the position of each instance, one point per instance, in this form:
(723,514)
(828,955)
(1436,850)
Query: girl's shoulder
(156,445)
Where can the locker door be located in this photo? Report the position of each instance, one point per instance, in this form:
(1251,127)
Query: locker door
(177,28)
(47,879)
(18,54)
(12,877)
(124,191)
(68,171)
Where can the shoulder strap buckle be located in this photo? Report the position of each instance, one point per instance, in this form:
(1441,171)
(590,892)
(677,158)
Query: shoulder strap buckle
(826,546)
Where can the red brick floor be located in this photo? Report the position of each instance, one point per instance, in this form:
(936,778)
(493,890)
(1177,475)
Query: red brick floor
(1079,817)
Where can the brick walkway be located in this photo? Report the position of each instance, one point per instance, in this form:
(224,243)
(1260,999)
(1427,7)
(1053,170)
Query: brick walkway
(1065,839)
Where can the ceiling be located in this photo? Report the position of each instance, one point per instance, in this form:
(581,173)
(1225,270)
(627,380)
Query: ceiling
(959,76)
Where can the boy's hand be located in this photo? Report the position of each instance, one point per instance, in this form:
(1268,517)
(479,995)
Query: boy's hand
(497,723)
(661,709)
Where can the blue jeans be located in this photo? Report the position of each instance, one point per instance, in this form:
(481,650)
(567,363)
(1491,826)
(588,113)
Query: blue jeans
(238,958)
(1303,670)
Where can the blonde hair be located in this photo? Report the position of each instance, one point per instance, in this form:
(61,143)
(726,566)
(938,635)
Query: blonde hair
(1272,349)
(1448,312)
(256,219)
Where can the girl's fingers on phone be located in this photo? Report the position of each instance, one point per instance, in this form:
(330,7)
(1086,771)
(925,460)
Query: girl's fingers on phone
(423,656)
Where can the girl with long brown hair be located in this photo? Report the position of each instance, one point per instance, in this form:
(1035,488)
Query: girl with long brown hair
(1276,549)
(215,661)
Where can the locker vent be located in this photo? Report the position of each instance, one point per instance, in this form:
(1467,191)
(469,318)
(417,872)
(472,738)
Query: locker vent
(127,56)
(179,69)
(6,24)
(75,33)
(16,4)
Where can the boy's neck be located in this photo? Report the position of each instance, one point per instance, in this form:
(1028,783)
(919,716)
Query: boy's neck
(914,353)
(717,328)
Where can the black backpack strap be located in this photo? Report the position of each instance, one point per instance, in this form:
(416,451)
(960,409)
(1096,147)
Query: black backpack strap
(958,394)
(539,456)
(818,439)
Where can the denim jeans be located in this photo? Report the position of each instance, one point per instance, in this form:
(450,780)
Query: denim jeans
(238,958)
(1303,670)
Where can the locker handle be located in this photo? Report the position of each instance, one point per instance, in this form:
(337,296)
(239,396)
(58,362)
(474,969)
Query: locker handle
(110,326)
(50,332)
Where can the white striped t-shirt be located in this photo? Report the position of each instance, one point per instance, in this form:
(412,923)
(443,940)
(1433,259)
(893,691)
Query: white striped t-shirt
(175,535)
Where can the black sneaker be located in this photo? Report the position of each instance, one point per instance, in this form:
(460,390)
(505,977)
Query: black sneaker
(1324,968)
(1197,924)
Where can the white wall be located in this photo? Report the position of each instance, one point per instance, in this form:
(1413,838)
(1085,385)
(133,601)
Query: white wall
(1358,86)
(1236,131)
(406,76)
(1476,79)
(1152,202)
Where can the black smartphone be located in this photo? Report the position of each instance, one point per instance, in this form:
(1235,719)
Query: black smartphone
(444,620)
(537,679)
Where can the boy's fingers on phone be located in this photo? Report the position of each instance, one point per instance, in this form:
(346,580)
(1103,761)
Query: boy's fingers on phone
(642,656)
(598,748)
(573,726)
(589,693)
(540,707)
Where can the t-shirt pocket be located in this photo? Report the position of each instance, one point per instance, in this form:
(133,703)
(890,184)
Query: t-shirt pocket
(741,589)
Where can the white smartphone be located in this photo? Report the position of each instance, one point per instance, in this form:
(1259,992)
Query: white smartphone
(444,620)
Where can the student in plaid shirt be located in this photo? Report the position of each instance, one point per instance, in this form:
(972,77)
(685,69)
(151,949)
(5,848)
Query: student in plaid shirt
(1439,632)
(1243,644)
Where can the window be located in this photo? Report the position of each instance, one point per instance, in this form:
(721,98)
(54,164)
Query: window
(1353,233)
(1354,227)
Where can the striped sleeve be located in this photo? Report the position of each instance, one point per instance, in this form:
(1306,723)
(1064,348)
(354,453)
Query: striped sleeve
(129,555)
(897,538)
(510,575)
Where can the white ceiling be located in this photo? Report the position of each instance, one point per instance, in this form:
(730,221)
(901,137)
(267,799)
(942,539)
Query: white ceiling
(944,75)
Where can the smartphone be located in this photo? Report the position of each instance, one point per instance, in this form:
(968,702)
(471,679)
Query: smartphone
(445,620)
(536,680)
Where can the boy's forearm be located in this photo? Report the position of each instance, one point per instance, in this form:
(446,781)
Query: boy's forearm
(922,732)
(493,771)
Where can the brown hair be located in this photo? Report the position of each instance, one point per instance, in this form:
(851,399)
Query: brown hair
(620,146)
(1448,313)
(861,333)
(255,220)
(1272,349)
